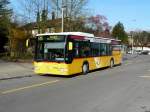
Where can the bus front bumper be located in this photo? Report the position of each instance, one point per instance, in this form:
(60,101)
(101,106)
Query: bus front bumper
(51,68)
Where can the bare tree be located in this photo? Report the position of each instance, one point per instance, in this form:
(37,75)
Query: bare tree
(141,38)
(30,8)
(36,10)
(73,10)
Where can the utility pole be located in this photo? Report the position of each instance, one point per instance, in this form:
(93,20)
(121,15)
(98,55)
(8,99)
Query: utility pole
(62,22)
(132,44)
(132,41)
(57,8)
(62,13)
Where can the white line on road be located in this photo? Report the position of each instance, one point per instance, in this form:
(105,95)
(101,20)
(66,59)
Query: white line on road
(28,87)
(146,76)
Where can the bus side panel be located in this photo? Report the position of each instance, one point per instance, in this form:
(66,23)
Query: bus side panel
(94,63)
(75,66)
(105,61)
(117,55)
(99,62)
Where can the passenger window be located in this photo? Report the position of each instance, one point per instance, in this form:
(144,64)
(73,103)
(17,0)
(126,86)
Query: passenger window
(103,49)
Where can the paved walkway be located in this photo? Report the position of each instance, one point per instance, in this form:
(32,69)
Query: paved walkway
(9,70)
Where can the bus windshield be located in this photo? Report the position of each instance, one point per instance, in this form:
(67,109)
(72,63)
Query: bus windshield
(50,48)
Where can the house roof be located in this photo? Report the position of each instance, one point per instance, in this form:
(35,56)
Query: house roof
(50,23)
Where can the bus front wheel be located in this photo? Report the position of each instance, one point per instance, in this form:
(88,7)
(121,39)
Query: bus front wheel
(85,68)
(111,63)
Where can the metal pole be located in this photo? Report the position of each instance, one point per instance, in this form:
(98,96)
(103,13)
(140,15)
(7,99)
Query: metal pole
(131,35)
(62,24)
(57,8)
(132,43)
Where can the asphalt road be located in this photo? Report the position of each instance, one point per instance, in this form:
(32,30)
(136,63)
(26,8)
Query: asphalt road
(124,88)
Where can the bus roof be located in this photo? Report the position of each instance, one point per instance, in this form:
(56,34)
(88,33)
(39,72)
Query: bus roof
(68,33)
(106,40)
(102,40)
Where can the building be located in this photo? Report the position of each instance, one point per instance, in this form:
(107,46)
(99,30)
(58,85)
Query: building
(51,26)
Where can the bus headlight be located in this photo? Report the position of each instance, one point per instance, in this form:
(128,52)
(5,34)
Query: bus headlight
(63,70)
(36,68)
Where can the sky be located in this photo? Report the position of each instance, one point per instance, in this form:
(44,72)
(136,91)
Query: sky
(134,14)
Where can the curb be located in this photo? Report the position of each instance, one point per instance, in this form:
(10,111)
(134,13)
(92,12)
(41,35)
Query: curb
(15,77)
(17,60)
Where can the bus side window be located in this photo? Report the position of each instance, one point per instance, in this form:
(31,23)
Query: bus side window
(103,49)
(109,50)
(76,49)
(95,49)
(85,49)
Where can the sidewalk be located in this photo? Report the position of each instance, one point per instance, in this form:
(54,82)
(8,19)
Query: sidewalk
(10,70)
(129,56)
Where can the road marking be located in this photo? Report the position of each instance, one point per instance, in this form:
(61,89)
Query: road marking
(28,87)
(128,63)
(146,76)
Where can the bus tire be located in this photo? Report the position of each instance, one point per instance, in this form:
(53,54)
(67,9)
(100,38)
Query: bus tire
(85,68)
(111,63)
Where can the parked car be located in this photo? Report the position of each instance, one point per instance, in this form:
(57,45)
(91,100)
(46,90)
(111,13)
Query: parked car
(145,52)
(129,52)
(138,51)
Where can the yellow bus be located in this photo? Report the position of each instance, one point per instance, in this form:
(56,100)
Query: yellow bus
(70,53)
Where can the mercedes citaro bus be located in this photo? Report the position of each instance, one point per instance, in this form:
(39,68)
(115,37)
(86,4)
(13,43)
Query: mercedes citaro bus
(70,53)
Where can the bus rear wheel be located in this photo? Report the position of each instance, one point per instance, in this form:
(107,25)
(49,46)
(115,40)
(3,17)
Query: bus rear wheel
(85,68)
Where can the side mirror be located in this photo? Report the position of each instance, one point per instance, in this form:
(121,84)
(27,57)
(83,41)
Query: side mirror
(70,46)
